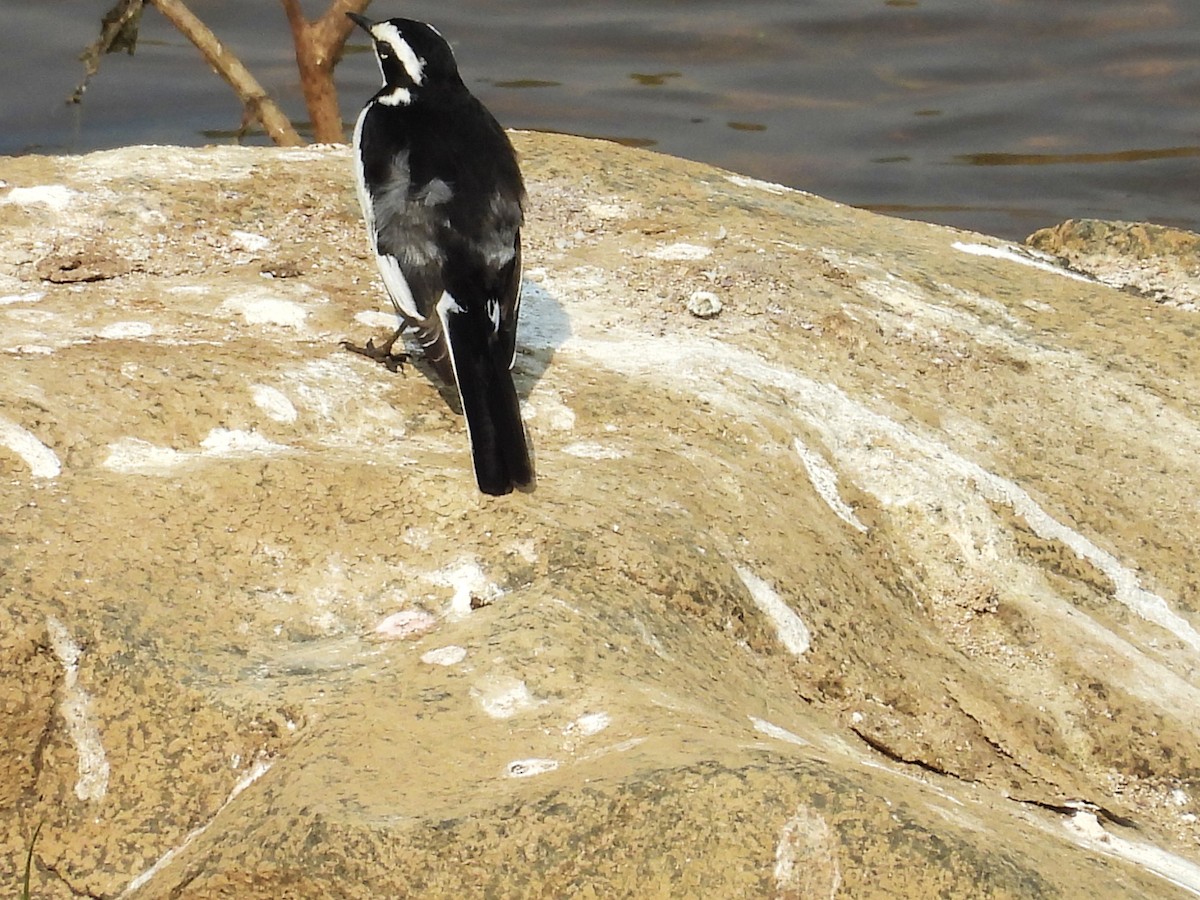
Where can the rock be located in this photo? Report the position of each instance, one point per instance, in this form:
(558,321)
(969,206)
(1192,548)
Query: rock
(1159,262)
(883,583)
(704,304)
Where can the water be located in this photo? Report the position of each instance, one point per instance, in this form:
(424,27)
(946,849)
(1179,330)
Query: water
(1001,116)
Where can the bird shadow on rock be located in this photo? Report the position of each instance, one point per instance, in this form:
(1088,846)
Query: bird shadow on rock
(544,327)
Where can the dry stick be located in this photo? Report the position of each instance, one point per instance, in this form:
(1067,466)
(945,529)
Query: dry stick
(319,47)
(258,105)
(118,31)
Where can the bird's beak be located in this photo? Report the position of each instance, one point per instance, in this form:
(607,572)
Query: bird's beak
(361,21)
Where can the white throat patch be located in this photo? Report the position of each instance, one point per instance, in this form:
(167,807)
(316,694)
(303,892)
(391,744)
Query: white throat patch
(386,33)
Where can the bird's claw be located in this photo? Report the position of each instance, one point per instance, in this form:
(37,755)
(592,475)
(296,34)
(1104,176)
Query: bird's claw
(384,355)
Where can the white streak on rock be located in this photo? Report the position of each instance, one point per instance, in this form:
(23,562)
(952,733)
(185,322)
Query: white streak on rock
(762,726)
(92,783)
(1022,257)
(273,402)
(260,768)
(592,450)
(789,628)
(42,461)
(897,466)
(1085,829)
(758,184)
(824,480)
(31,297)
(680,251)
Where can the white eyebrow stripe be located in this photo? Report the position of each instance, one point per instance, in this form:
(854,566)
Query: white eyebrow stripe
(387,33)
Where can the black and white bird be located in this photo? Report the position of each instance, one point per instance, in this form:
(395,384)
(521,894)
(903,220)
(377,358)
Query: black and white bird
(442,196)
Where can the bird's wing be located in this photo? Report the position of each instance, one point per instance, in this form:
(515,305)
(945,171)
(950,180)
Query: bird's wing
(404,225)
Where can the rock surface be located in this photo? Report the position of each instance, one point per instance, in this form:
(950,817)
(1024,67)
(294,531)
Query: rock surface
(880,583)
(1152,260)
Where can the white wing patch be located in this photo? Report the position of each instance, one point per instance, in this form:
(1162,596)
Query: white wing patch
(360,178)
(445,307)
(493,311)
(389,267)
(397,286)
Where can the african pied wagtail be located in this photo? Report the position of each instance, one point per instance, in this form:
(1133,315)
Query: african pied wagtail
(442,195)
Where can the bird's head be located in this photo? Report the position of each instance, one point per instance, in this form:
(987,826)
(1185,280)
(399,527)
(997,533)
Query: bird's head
(412,55)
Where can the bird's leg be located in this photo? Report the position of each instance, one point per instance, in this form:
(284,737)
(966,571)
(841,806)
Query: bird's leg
(383,353)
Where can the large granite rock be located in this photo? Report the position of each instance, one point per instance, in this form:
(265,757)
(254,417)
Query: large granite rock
(880,582)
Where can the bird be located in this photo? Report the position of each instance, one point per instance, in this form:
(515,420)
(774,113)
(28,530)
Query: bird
(443,200)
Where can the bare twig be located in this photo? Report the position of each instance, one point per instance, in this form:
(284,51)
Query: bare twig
(118,31)
(319,46)
(258,105)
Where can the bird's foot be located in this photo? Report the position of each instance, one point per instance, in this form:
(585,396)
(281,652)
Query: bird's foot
(382,354)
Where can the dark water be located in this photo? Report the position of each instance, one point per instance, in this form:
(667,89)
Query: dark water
(997,115)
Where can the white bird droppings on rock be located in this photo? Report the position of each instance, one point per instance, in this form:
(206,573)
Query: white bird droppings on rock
(407,623)
(55,196)
(124,330)
(503,697)
(265,309)
(42,461)
(588,724)
(806,862)
(468,582)
(789,628)
(679,252)
(274,403)
(551,411)
(450,655)
(249,241)
(592,450)
(133,456)
(235,442)
(375,318)
(527,768)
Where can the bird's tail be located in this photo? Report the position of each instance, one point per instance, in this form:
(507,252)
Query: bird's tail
(491,407)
